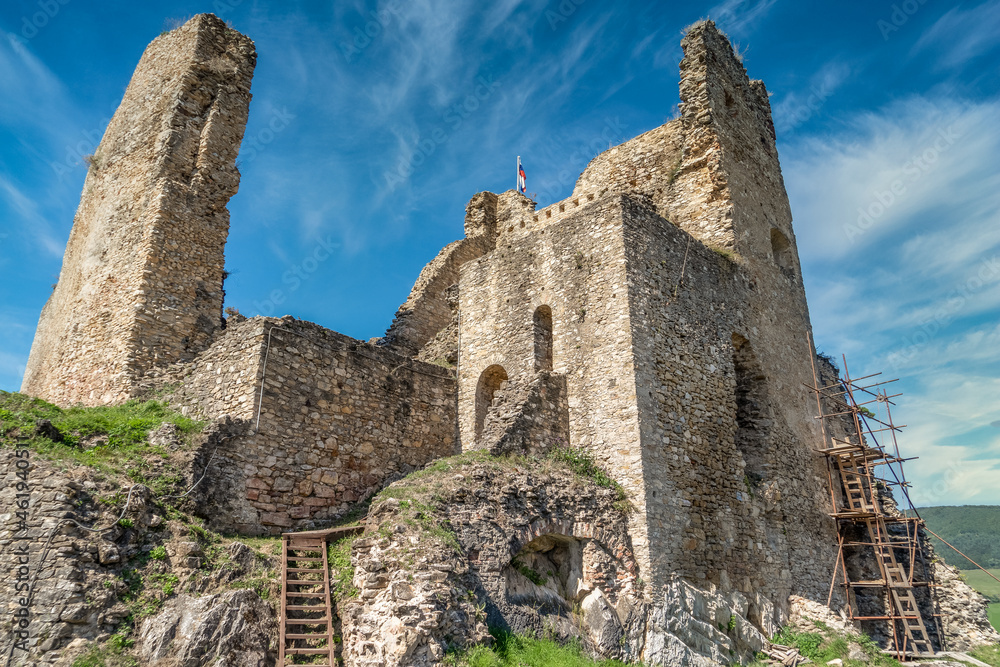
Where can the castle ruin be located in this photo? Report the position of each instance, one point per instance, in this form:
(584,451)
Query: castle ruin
(656,318)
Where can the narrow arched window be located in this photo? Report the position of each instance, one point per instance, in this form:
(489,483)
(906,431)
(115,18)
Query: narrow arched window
(542,323)
(489,382)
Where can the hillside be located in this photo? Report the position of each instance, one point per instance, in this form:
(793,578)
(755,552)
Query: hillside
(974,529)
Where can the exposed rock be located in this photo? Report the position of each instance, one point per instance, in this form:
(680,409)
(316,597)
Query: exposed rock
(804,613)
(232,629)
(963,611)
(539,550)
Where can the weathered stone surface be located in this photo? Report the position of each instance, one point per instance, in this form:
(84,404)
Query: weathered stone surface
(539,550)
(233,629)
(337,419)
(963,611)
(141,283)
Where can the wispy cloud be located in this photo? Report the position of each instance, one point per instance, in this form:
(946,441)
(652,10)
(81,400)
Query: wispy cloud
(739,17)
(962,35)
(908,166)
(897,220)
(796,107)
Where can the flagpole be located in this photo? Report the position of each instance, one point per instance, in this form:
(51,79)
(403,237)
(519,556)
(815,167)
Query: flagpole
(517,175)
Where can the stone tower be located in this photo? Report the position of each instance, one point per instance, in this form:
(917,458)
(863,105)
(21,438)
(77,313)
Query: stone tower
(141,284)
(659,313)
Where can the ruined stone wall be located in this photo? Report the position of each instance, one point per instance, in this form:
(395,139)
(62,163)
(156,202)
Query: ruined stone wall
(528,418)
(338,418)
(576,268)
(735,496)
(426,325)
(225,378)
(141,283)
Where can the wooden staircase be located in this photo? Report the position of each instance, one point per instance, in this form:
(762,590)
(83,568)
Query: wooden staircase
(307,612)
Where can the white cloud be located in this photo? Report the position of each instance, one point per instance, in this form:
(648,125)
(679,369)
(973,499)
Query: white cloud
(916,157)
(916,293)
(737,17)
(963,34)
(796,107)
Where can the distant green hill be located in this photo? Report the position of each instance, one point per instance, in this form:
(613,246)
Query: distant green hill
(974,529)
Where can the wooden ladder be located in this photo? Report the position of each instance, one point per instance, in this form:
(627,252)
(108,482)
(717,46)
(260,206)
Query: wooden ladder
(307,613)
(901,594)
(855,474)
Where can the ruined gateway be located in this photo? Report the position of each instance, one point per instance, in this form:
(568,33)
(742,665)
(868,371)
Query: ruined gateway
(656,318)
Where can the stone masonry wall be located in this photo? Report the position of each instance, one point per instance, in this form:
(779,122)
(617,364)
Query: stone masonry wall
(575,267)
(338,418)
(430,308)
(141,282)
(735,501)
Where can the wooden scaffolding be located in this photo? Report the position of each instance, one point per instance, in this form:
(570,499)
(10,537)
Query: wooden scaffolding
(862,452)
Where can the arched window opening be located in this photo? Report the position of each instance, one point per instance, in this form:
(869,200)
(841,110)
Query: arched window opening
(543,338)
(781,250)
(753,418)
(491,380)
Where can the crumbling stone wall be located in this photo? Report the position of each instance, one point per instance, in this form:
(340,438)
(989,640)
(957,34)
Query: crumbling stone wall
(432,305)
(337,418)
(141,283)
(528,418)
(686,369)
(538,550)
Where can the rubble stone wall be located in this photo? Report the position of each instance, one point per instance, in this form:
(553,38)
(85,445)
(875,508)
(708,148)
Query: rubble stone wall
(337,418)
(141,282)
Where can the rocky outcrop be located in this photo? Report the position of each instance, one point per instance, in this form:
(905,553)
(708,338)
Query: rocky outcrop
(232,629)
(525,546)
(963,611)
(85,555)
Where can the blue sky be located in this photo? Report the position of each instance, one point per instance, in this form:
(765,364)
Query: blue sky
(373,123)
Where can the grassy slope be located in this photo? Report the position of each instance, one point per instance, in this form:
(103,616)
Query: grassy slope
(974,529)
(119,430)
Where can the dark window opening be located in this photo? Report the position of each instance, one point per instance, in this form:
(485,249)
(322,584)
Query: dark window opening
(542,323)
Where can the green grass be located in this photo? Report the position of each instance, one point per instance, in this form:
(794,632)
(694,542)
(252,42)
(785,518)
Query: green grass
(973,529)
(518,651)
(583,464)
(126,426)
(826,645)
(104,655)
(341,571)
(994,615)
(988,654)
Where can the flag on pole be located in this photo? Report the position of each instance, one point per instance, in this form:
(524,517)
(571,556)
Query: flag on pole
(521,179)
